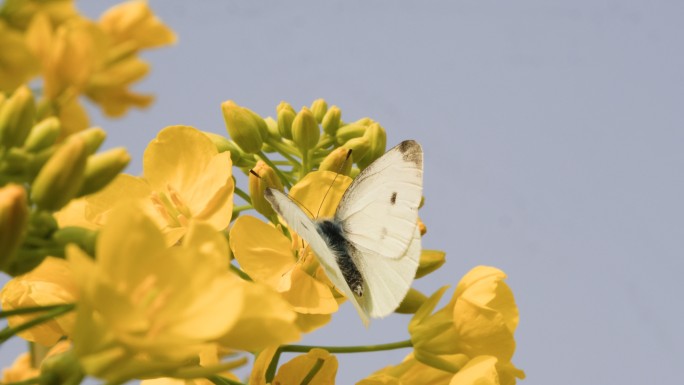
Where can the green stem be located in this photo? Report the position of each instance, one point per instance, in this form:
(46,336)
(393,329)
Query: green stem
(240,209)
(314,370)
(241,273)
(282,176)
(348,349)
(218,380)
(306,164)
(7,333)
(272,367)
(28,310)
(204,371)
(284,150)
(243,195)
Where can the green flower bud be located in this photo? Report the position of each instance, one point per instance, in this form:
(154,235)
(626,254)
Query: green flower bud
(13,220)
(61,369)
(43,135)
(349,131)
(16,117)
(93,138)
(377,138)
(242,127)
(331,121)
(286,115)
(272,127)
(360,147)
(412,302)
(430,260)
(85,239)
(337,161)
(319,107)
(261,177)
(102,168)
(305,130)
(61,177)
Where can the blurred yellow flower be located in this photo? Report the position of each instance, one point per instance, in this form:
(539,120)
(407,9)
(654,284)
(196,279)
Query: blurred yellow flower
(51,283)
(17,65)
(133,24)
(20,370)
(19,13)
(269,257)
(480,319)
(184,178)
(145,307)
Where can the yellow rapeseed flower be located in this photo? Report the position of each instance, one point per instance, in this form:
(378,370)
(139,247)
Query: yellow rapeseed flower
(287,265)
(145,307)
(184,178)
(480,319)
(51,283)
(17,65)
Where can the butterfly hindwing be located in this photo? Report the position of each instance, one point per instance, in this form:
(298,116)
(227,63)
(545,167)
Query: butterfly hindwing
(379,210)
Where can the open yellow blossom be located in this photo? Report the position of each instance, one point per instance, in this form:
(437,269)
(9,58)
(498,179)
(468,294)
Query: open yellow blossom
(284,264)
(51,283)
(17,65)
(132,23)
(19,13)
(146,307)
(20,370)
(480,319)
(184,178)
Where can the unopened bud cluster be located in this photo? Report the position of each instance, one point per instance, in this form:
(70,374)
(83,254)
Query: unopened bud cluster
(37,157)
(312,138)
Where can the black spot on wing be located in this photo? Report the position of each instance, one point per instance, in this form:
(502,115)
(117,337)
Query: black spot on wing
(393,199)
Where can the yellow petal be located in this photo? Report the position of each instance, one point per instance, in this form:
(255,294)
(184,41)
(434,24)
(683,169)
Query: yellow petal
(480,370)
(263,360)
(293,372)
(262,251)
(268,320)
(51,283)
(309,295)
(315,186)
(134,22)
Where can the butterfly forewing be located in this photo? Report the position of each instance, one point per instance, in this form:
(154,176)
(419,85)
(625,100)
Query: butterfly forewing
(380,208)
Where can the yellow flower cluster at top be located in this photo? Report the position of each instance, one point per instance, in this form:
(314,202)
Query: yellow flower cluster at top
(179,276)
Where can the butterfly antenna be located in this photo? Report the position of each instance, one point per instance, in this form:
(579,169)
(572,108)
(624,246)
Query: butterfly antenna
(339,171)
(251,171)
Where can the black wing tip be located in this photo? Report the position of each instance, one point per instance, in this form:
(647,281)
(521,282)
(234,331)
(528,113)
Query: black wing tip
(411,151)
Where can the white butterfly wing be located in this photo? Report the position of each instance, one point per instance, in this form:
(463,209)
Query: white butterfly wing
(300,223)
(387,280)
(379,210)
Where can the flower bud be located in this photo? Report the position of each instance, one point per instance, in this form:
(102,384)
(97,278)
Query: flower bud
(430,260)
(16,117)
(242,127)
(261,177)
(61,177)
(349,131)
(337,161)
(360,147)
(93,138)
(43,135)
(286,115)
(102,168)
(305,130)
(61,369)
(272,128)
(378,140)
(319,107)
(412,302)
(331,121)
(13,220)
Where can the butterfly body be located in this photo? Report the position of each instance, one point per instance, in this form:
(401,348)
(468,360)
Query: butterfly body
(371,247)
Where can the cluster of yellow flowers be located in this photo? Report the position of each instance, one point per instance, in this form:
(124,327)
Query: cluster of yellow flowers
(164,277)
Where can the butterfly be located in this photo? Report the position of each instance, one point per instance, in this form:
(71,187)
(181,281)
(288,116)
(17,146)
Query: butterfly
(370,248)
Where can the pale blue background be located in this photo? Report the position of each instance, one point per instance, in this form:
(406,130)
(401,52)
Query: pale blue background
(553,135)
